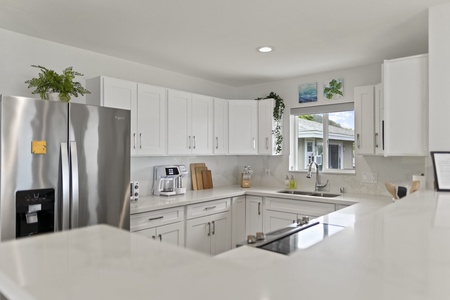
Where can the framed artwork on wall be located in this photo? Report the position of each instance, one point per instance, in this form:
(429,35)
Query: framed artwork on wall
(333,88)
(441,164)
(307,92)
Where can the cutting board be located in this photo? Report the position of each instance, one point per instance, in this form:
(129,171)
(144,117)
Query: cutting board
(207,179)
(198,174)
(193,174)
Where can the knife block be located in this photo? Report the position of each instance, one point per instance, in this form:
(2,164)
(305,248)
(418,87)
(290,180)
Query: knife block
(245,180)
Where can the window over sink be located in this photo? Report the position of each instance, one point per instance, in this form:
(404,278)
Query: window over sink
(323,134)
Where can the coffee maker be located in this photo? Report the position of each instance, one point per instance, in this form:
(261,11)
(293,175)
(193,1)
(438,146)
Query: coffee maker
(168,180)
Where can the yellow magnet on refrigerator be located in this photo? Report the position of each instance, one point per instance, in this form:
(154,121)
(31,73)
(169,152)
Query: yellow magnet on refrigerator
(39,147)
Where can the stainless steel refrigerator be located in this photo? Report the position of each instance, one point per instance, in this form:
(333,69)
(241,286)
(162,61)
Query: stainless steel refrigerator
(63,166)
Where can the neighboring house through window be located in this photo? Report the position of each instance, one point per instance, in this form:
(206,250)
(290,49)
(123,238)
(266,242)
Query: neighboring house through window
(326,138)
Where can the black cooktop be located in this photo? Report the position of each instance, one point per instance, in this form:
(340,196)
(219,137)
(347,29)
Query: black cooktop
(302,239)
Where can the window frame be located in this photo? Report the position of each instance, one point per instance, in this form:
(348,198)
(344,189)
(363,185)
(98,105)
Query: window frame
(317,109)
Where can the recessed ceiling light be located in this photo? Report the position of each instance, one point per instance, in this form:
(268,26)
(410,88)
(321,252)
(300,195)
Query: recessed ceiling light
(265,49)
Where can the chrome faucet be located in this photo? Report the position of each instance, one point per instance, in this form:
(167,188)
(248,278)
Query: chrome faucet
(318,185)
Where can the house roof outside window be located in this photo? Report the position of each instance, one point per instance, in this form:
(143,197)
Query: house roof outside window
(313,129)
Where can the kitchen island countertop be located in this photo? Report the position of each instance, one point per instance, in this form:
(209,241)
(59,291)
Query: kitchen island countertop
(399,251)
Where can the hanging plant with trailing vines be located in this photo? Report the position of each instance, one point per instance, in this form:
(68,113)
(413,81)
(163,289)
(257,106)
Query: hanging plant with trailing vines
(278,111)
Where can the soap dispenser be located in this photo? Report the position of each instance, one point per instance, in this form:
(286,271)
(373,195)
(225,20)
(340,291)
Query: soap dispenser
(287,182)
(292,183)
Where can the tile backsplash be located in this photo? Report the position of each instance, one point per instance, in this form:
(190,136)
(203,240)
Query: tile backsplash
(226,171)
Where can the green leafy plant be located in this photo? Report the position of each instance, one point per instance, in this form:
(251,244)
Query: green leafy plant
(51,82)
(278,111)
(333,88)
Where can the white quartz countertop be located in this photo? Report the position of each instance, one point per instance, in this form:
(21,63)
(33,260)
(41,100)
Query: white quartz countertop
(397,251)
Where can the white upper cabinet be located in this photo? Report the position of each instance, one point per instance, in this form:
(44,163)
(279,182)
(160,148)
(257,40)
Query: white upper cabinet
(111,92)
(391,118)
(147,104)
(243,127)
(267,142)
(202,124)
(152,120)
(364,98)
(379,120)
(405,93)
(220,126)
(190,124)
(179,122)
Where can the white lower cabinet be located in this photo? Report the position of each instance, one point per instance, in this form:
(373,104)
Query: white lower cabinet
(208,227)
(213,227)
(172,233)
(253,214)
(210,234)
(341,206)
(274,220)
(165,225)
(279,213)
(238,219)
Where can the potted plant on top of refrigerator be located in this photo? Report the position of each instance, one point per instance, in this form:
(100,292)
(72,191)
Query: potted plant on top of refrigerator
(53,86)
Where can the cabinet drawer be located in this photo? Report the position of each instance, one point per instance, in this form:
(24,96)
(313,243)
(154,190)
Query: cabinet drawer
(156,218)
(207,208)
(308,208)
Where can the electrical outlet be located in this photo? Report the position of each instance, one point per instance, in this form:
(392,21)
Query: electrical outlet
(267,172)
(368,177)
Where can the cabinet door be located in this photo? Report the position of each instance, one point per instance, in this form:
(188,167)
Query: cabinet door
(152,120)
(364,98)
(198,234)
(172,234)
(266,144)
(405,84)
(202,124)
(148,233)
(379,120)
(220,233)
(238,220)
(274,220)
(119,93)
(122,94)
(220,126)
(254,216)
(243,131)
(179,139)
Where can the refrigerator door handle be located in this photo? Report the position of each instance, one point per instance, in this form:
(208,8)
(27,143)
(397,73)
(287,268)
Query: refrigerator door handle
(65,173)
(75,194)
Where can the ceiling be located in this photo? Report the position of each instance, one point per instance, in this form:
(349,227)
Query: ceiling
(217,39)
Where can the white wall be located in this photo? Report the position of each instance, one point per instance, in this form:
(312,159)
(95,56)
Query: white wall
(439,75)
(19,52)
(397,170)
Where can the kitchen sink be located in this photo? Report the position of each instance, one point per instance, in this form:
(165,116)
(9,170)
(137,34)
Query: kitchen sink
(296,192)
(314,194)
(326,195)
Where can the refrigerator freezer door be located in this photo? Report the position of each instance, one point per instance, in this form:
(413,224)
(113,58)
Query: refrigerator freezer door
(101,138)
(24,121)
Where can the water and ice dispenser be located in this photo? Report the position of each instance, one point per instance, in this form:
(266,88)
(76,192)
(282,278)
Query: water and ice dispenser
(35,212)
